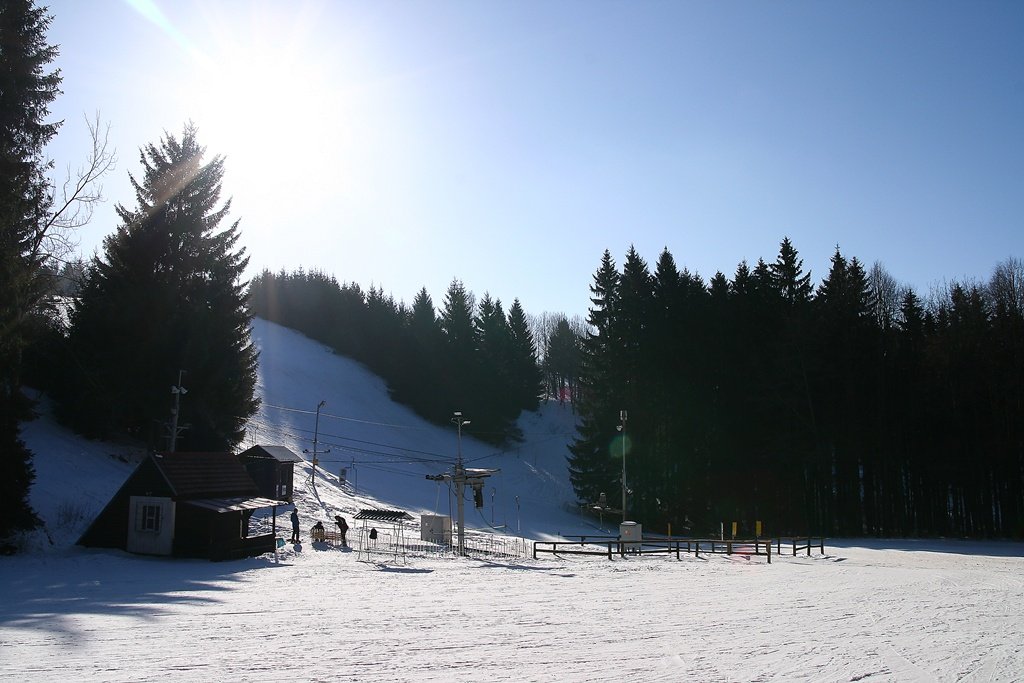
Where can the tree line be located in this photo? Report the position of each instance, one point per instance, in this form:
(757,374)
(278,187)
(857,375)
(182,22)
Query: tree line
(469,356)
(850,408)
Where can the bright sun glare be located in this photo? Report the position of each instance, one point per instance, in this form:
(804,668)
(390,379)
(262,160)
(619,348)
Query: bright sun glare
(268,112)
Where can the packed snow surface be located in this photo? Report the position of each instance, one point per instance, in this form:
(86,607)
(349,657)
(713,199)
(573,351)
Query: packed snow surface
(862,611)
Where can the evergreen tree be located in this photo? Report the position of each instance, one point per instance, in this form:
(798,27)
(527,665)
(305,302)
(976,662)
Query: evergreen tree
(636,293)
(457,322)
(592,469)
(494,399)
(844,378)
(787,276)
(26,91)
(526,373)
(458,383)
(417,372)
(166,296)
(424,318)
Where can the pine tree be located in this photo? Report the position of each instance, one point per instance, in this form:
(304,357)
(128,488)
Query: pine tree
(419,373)
(787,276)
(526,373)
(459,355)
(457,322)
(166,296)
(591,468)
(26,91)
(636,295)
(495,404)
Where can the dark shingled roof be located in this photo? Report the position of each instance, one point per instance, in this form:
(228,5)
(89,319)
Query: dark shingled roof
(279,453)
(383,515)
(205,475)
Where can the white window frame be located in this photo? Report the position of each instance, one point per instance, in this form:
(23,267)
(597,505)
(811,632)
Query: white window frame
(149,518)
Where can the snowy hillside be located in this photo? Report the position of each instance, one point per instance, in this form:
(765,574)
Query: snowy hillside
(863,611)
(386,450)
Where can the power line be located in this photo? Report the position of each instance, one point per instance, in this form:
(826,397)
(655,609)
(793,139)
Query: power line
(342,417)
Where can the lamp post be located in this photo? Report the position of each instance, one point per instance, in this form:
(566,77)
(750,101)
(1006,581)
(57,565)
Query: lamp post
(316,434)
(460,480)
(622,428)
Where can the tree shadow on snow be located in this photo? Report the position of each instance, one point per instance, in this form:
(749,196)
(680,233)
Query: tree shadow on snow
(324,545)
(41,592)
(402,570)
(491,564)
(931,545)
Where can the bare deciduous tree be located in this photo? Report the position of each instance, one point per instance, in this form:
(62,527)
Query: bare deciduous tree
(73,204)
(886,295)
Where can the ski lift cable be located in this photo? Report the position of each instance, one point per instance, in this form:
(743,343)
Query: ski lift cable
(383,424)
(339,417)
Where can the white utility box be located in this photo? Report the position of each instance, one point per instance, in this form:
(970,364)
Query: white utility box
(631,534)
(436,529)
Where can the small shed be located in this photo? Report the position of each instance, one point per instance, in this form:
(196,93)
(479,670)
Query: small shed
(272,468)
(186,505)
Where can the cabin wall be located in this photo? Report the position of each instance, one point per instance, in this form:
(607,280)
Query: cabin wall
(111,527)
(273,478)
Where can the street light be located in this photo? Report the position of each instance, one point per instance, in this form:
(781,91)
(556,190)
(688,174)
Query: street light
(316,434)
(460,480)
(622,428)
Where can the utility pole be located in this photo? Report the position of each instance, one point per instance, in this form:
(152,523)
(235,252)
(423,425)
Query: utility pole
(316,434)
(461,477)
(460,482)
(622,428)
(178,392)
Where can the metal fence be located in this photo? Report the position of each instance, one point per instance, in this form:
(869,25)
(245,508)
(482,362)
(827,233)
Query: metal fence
(392,546)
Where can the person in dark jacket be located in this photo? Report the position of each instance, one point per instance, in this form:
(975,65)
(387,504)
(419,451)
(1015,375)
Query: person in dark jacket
(295,525)
(342,528)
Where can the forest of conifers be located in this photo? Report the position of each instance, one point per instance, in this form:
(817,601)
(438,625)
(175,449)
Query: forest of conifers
(853,407)
(847,409)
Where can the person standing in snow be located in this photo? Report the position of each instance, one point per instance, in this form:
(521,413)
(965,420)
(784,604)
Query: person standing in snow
(295,525)
(342,528)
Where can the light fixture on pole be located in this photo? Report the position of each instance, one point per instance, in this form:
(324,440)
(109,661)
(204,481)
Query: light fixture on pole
(316,435)
(622,428)
(178,392)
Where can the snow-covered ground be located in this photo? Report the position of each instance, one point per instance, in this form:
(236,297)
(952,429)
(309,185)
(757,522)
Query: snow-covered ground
(876,611)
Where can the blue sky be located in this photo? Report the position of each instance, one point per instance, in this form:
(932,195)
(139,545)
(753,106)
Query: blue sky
(508,144)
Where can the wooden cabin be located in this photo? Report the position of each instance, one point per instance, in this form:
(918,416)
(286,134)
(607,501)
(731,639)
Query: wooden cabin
(272,468)
(186,505)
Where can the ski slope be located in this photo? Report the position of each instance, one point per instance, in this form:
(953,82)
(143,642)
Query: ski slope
(863,611)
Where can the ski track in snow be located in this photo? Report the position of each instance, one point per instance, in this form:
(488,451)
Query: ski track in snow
(866,611)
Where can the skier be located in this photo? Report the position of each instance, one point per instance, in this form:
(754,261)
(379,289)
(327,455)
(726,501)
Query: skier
(295,525)
(342,527)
